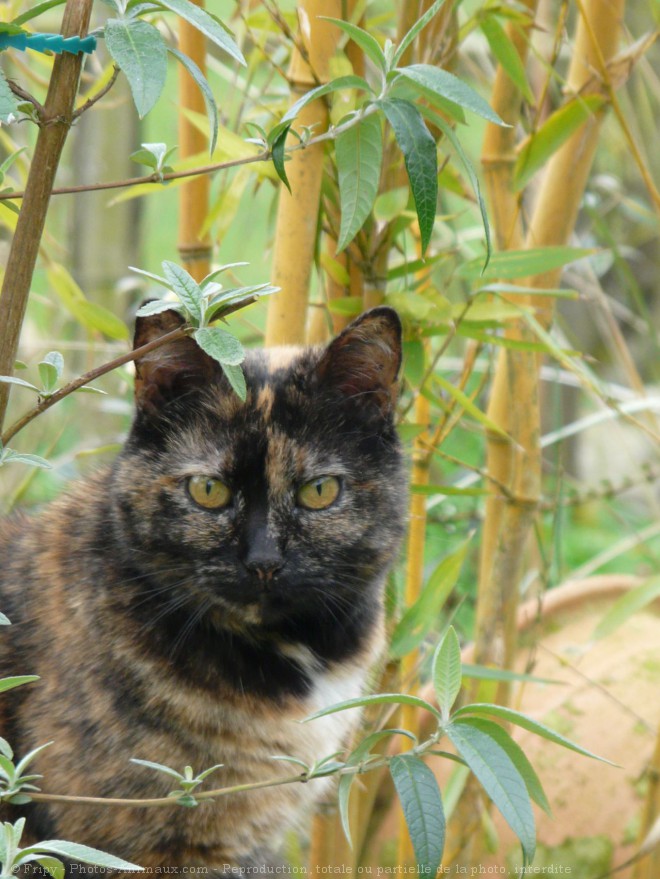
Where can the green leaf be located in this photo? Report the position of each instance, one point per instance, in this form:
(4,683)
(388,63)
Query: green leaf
(52,866)
(56,359)
(627,605)
(50,370)
(485,673)
(359,152)
(96,317)
(8,102)
(18,681)
(163,282)
(419,25)
(37,10)
(500,779)
(448,86)
(527,723)
(420,155)
(517,756)
(523,263)
(4,620)
(5,748)
(206,24)
(342,82)
(419,619)
(446,671)
(555,131)
(278,155)
(468,406)
(157,306)
(450,134)
(12,380)
(207,94)
(363,39)
(158,767)
(140,52)
(377,699)
(419,794)
(186,288)
(507,55)
(220,345)
(84,853)
(236,379)
(12,457)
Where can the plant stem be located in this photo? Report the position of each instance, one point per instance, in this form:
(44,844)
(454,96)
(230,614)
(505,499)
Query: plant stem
(53,130)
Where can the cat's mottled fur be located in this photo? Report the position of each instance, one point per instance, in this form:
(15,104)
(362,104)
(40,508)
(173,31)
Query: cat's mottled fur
(183,635)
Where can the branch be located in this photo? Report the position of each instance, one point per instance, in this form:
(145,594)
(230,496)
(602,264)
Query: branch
(89,103)
(26,96)
(87,377)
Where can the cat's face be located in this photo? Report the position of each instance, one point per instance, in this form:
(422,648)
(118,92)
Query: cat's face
(277,516)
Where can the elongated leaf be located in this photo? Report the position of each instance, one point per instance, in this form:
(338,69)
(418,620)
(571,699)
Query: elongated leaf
(206,24)
(359,152)
(450,134)
(207,94)
(523,263)
(465,403)
(158,767)
(419,619)
(554,132)
(236,379)
(377,699)
(363,39)
(13,380)
(52,866)
(446,671)
(507,55)
(140,52)
(500,778)
(157,306)
(12,457)
(419,25)
(485,673)
(357,756)
(278,155)
(18,681)
(421,802)
(96,317)
(420,155)
(36,10)
(342,82)
(84,853)
(453,89)
(186,288)
(627,605)
(8,102)
(220,345)
(522,720)
(163,282)
(517,755)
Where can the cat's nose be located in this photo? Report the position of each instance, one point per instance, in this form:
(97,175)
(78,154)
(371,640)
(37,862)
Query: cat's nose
(264,565)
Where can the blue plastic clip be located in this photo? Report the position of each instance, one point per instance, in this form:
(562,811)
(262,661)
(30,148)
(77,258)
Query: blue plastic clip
(47,43)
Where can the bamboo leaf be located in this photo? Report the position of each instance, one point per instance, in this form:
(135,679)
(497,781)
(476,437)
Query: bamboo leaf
(377,699)
(363,39)
(207,94)
(555,131)
(517,756)
(485,673)
(628,604)
(450,87)
(421,802)
(419,25)
(205,24)
(420,155)
(446,671)
(507,55)
(17,681)
(500,779)
(522,720)
(140,52)
(419,619)
(468,406)
(359,152)
(220,345)
(523,263)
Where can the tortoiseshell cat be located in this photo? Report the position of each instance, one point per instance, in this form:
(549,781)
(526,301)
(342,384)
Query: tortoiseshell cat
(220,582)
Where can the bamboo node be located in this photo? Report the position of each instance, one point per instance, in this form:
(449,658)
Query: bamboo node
(192,252)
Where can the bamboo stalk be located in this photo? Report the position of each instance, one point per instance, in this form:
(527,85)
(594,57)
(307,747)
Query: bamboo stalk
(53,130)
(195,250)
(297,212)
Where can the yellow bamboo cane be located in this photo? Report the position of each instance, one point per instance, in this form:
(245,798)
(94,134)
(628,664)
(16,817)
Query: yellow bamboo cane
(194,249)
(297,213)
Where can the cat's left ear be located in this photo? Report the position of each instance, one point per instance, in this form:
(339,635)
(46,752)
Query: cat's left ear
(364,360)
(170,370)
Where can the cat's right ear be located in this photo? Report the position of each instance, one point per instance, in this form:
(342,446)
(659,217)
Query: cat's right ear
(170,370)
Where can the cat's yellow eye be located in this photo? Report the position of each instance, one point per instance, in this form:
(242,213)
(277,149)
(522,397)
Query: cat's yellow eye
(208,492)
(319,493)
